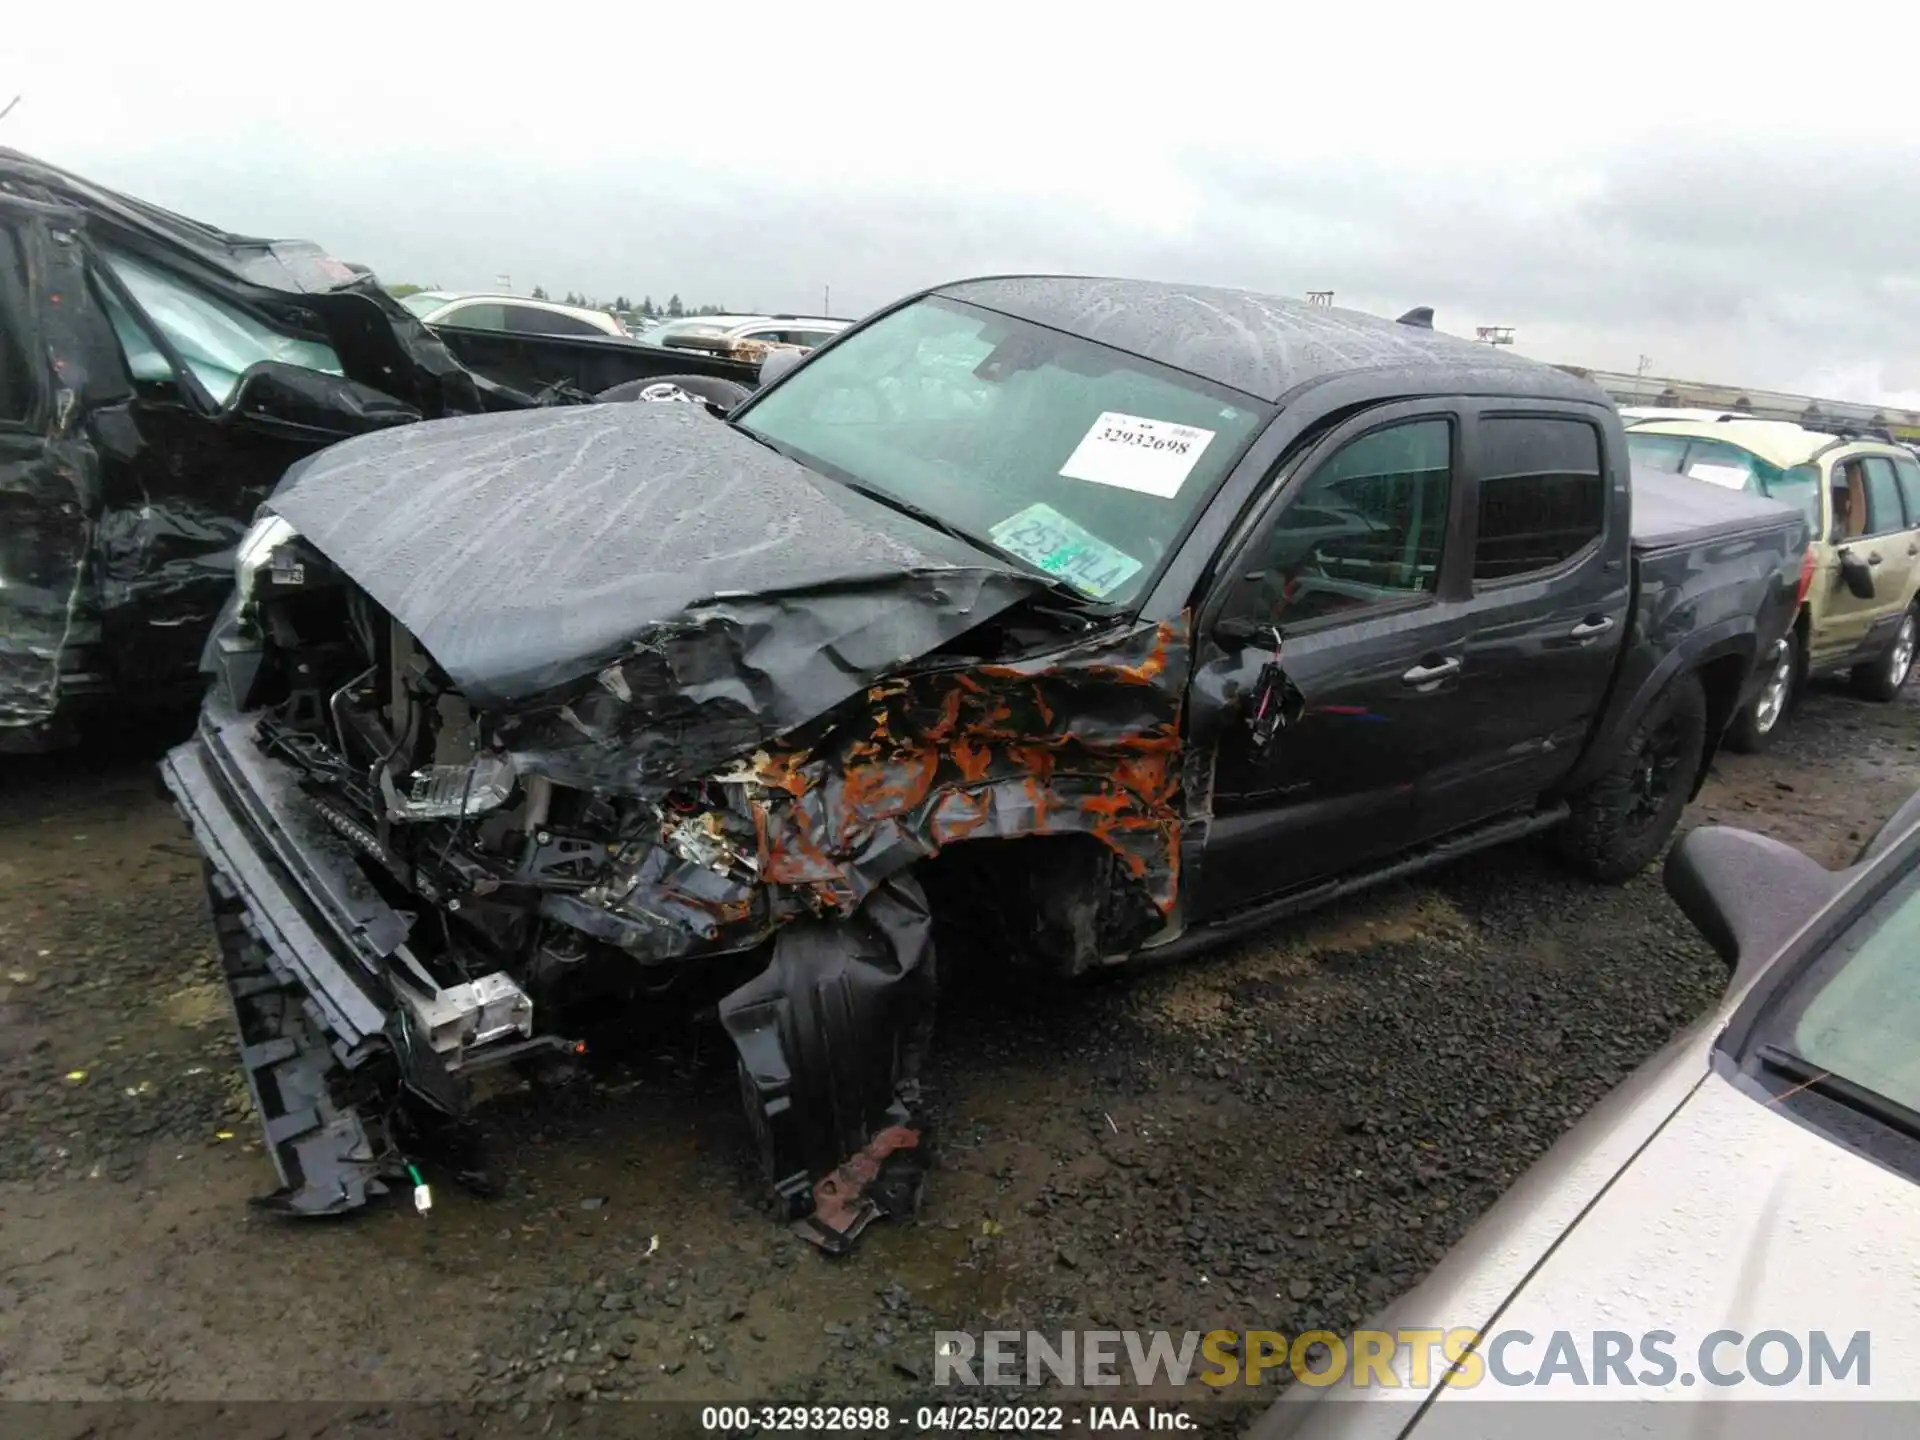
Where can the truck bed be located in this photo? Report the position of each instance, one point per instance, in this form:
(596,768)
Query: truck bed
(1716,579)
(1672,510)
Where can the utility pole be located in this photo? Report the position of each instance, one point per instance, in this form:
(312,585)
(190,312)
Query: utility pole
(1319,297)
(826,300)
(1646,364)
(1493,334)
(503,283)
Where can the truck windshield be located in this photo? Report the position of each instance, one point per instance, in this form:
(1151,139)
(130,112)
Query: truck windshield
(1078,460)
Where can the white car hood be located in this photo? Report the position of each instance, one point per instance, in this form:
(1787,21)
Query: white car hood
(1733,1217)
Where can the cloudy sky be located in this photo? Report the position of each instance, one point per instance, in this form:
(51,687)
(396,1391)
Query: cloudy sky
(1727,192)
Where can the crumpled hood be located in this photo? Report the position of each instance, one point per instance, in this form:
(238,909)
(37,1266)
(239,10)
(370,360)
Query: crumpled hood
(529,549)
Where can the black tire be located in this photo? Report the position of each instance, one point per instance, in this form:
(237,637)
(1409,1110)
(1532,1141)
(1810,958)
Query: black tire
(1624,819)
(724,393)
(1882,679)
(1758,722)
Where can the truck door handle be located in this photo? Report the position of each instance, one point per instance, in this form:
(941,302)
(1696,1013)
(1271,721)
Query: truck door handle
(1873,557)
(1913,549)
(1587,629)
(1427,674)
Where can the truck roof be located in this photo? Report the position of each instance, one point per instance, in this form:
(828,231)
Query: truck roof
(1266,346)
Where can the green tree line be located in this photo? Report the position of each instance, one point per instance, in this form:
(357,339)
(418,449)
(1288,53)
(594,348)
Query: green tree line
(620,305)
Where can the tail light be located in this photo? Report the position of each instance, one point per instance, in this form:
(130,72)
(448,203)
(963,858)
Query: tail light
(1806,578)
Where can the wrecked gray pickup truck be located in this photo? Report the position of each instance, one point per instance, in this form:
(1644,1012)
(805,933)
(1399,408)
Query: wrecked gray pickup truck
(157,377)
(1095,619)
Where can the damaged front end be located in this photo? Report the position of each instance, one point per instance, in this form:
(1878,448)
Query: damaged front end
(428,856)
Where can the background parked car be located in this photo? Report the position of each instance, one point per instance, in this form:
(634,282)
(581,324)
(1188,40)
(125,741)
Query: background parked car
(514,313)
(1639,414)
(1758,1174)
(1861,495)
(723,332)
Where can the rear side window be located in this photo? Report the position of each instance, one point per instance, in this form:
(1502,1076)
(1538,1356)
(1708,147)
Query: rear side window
(476,317)
(16,383)
(1543,498)
(1884,510)
(1718,463)
(1908,472)
(1658,452)
(526,320)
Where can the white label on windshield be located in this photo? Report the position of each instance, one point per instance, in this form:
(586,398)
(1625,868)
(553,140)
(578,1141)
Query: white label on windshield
(1151,456)
(1734,477)
(1043,536)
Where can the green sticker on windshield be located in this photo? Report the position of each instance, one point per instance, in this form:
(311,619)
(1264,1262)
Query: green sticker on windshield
(1043,536)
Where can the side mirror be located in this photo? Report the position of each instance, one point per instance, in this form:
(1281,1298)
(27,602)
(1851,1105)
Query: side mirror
(1274,703)
(1857,574)
(1746,894)
(296,401)
(778,362)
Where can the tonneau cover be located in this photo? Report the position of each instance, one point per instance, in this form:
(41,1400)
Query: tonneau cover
(1671,509)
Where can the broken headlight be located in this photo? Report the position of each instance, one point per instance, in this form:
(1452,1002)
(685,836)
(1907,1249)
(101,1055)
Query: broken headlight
(451,792)
(255,552)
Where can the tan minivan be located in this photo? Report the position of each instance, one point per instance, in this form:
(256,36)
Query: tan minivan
(1862,498)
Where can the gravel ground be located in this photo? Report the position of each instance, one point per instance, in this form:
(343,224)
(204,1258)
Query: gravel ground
(1286,1136)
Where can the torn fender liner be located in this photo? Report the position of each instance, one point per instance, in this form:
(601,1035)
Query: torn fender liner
(831,1036)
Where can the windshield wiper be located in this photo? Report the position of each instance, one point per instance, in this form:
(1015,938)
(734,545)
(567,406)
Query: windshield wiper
(924,516)
(1837,1088)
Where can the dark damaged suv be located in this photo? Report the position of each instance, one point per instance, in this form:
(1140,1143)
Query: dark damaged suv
(1093,619)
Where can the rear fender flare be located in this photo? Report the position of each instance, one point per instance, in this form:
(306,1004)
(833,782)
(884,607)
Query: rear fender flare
(1737,636)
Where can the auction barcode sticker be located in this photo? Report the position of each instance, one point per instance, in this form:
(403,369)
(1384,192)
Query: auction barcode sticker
(1135,453)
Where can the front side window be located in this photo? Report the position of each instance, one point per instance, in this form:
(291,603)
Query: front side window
(219,342)
(1885,512)
(1081,461)
(1849,487)
(1543,498)
(1365,530)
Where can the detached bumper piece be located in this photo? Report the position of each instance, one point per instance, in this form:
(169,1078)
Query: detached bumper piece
(831,1036)
(354,1055)
(327,1162)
